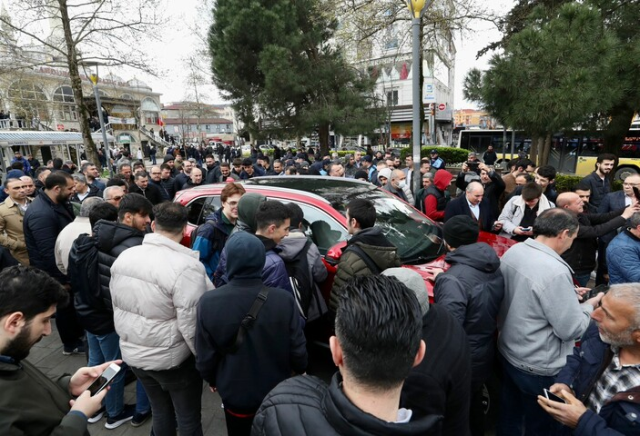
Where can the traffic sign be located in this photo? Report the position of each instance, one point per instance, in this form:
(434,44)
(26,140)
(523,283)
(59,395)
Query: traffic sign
(442,106)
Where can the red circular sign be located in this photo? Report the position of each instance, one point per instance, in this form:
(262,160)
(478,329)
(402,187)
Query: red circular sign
(60,126)
(442,106)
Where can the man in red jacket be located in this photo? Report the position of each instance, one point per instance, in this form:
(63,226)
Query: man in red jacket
(437,196)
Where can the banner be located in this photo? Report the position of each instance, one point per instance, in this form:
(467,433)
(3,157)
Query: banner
(116,120)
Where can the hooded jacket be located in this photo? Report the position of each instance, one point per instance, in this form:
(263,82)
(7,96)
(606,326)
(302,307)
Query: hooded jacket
(623,259)
(306,405)
(289,249)
(472,291)
(436,197)
(275,339)
(513,213)
(376,245)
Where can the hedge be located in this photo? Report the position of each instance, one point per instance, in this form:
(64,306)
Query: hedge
(566,183)
(451,155)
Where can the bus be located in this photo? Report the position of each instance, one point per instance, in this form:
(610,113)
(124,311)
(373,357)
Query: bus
(572,152)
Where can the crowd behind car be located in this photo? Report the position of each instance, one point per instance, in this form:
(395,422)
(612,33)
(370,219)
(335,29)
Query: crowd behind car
(236,308)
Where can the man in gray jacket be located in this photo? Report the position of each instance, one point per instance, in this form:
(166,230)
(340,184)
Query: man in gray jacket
(539,320)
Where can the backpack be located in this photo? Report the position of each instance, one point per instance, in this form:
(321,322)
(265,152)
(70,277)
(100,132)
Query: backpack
(302,283)
(373,267)
(199,230)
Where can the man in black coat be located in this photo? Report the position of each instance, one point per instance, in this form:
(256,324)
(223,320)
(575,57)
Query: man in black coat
(491,182)
(45,218)
(598,180)
(274,346)
(377,342)
(148,190)
(473,205)
(472,291)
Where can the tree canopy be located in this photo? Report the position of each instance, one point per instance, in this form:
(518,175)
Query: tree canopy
(275,60)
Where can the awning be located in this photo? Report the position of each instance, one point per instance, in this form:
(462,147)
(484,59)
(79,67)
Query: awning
(40,138)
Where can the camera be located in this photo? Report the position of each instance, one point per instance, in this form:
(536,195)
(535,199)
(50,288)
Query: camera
(473,165)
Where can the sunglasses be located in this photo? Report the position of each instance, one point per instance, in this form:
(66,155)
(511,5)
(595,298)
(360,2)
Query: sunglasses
(117,197)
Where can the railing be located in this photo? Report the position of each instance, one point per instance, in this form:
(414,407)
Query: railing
(153,137)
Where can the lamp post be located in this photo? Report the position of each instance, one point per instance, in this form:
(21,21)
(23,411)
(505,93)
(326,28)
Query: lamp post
(94,80)
(417,9)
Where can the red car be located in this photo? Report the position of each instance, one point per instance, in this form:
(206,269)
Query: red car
(323,201)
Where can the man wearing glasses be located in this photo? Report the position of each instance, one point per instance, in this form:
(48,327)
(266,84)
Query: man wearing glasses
(113,195)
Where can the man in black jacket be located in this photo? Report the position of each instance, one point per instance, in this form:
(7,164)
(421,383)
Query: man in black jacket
(472,204)
(274,346)
(143,187)
(472,291)
(48,214)
(598,180)
(491,182)
(90,262)
(377,342)
(581,257)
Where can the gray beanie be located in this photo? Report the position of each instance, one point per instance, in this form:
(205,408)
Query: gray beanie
(413,281)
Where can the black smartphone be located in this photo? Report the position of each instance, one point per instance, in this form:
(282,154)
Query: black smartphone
(526,229)
(553,397)
(104,379)
(595,291)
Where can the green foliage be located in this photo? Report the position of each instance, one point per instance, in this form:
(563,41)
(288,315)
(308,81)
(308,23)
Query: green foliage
(451,155)
(566,183)
(274,60)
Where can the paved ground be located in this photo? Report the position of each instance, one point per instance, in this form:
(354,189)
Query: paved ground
(47,355)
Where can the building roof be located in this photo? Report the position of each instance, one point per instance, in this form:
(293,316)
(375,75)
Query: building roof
(179,121)
(10,138)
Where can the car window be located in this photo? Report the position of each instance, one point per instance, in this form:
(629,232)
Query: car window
(323,230)
(202,207)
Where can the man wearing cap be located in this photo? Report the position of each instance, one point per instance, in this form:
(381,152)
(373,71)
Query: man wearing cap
(472,290)
(369,167)
(441,383)
(437,162)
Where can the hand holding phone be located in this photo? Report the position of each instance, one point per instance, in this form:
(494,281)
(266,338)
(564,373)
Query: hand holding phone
(104,379)
(552,397)
(595,291)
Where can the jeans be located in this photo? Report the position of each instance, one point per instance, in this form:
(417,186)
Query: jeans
(174,394)
(104,348)
(582,279)
(520,413)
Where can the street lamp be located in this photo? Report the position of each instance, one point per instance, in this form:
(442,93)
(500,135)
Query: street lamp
(94,79)
(417,9)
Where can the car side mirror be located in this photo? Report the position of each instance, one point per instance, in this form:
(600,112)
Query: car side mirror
(335,252)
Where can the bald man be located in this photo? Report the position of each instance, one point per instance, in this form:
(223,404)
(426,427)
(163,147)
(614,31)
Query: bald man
(581,257)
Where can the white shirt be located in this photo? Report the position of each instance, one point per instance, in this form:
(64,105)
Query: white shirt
(475,209)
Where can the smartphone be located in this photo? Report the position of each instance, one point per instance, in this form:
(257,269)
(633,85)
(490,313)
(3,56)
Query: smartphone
(526,229)
(595,291)
(104,379)
(553,397)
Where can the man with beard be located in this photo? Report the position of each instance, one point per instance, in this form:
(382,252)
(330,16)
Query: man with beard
(31,403)
(212,169)
(48,214)
(598,180)
(601,381)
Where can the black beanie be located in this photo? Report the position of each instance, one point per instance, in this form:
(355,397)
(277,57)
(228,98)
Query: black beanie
(461,230)
(360,174)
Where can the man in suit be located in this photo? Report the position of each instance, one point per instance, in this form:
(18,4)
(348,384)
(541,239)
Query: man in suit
(613,201)
(473,205)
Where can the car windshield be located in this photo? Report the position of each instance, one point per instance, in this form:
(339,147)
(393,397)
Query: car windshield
(417,238)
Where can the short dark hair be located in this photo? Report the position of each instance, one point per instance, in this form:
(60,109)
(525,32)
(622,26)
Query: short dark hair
(231,189)
(140,175)
(264,158)
(552,222)
(165,166)
(10,180)
(170,217)
(57,178)
(247,162)
(86,165)
(17,166)
(225,164)
(531,191)
(271,212)
(606,156)
(297,216)
(548,172)
(363,211)
(103,211)
(29,290)
(524,163)
(209,155)
(57,163)
(379,326)
(582,186)
(135,204)
(117,180)
(41,170)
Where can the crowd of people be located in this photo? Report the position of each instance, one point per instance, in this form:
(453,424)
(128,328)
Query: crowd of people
(234,310)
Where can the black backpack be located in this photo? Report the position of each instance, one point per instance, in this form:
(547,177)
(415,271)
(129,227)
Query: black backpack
(302,283)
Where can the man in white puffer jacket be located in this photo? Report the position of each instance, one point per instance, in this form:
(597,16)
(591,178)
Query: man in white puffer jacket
(155,288)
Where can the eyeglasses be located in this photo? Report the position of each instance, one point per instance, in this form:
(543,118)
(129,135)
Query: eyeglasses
(116,198)
(631,184)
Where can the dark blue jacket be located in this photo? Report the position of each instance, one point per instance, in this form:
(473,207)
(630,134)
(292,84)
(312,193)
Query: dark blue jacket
(621,414)
(210,240)
(623,259)
(460,206)
(611,202)
(43,221)
(599,188)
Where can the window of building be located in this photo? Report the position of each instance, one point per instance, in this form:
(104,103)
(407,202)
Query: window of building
(28,100)
(65,104)
(392,98)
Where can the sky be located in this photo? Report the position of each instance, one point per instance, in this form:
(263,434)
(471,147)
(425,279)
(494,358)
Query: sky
(185,20)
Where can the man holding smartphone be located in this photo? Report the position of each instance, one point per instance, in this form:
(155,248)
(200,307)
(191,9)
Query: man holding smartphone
(31,403)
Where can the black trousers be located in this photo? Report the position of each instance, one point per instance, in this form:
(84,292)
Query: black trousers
(238,426)
(69,329)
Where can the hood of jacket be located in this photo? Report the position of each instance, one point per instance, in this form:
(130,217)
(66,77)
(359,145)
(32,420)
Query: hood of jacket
(479,256)
(249,262)
(292,245)
(442,179)
(111,234)
(247,208)
(371,236)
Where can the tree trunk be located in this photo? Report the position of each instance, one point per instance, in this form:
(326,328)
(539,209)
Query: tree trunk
(617,129)
(535,142)
(76,85)
(323,137)
(544,151)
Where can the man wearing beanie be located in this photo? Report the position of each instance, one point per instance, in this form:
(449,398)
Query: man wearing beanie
(441,383)
(472,290)
(273,348)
